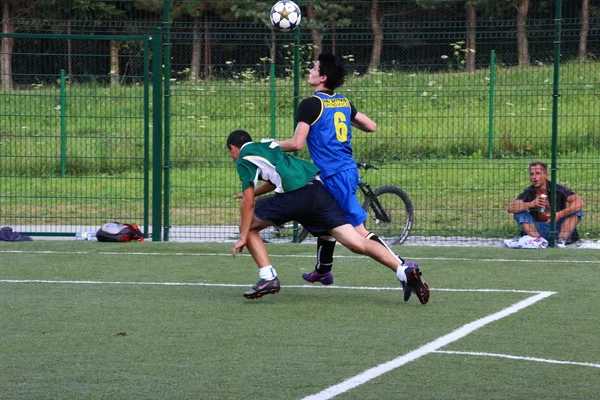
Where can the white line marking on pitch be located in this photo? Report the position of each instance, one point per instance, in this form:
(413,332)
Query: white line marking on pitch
(428,348)
(329,287)
(139,253)
(544,360)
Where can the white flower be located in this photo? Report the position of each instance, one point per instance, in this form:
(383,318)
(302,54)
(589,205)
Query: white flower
(444,57)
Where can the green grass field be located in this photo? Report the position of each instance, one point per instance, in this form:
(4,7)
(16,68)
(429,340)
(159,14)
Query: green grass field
(168,321)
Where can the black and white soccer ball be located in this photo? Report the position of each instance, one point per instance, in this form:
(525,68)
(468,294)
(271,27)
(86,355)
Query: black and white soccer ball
(285,15)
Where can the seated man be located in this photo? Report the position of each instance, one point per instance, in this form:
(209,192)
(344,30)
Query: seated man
(532,207)
(301,196)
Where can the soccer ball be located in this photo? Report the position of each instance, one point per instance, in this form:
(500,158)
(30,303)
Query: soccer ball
(285,15)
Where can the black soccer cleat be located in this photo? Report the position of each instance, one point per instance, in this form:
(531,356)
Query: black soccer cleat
(407,291)
(418,285)
(263,287)
(406,288)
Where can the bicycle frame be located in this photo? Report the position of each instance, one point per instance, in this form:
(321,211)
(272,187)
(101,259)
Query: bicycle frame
(380,214)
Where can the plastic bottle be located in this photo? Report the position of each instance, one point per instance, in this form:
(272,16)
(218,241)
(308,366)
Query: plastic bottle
(85,235)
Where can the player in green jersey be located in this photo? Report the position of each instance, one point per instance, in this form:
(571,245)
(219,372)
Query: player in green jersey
(301,196)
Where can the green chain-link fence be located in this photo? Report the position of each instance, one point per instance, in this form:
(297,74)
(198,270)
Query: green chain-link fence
(74,146)
(461,109)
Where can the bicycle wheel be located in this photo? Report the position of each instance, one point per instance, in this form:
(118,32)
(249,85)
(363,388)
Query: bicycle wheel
(390,214)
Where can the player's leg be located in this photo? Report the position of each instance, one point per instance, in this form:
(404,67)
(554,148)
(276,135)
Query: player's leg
(526,222)
(371,236)
(566,226)
(268,281)
(342,186)
(349,237)
(322,272)
(325,215)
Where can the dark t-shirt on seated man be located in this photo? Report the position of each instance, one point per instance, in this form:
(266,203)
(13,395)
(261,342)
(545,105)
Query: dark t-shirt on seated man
(562,193)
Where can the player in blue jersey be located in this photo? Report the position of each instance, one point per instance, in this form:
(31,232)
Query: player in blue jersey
(324,123)
(301,196)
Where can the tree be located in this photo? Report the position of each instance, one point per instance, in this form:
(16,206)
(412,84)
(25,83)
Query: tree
(6,48)
(314,32)
(585,26)
(522,7)
(377,36)
(470,43)
(12,10)
(197,12)
(326,15)
(256,11)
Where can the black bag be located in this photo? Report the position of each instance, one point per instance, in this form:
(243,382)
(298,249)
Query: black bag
(118,232)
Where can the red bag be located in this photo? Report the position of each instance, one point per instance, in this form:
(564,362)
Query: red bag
(118,232)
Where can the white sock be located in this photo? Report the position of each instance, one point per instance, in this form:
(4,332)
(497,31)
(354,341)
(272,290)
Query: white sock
(267,273)
(400,273)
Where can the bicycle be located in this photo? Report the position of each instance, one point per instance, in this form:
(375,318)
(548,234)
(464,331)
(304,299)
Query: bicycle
(390,214)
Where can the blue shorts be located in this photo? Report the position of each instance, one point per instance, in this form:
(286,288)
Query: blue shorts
(543,228)
(312,206)
(342,187)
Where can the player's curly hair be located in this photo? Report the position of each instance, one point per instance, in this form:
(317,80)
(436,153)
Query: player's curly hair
(238,138)
(334,68)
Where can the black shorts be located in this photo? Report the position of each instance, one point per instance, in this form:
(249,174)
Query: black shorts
(312,206)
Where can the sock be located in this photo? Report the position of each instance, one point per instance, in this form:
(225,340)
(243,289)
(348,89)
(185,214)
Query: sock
(376,238)
(401,274)
(267,273)
(325,248)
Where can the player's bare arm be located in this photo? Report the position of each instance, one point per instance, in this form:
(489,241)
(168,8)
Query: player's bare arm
(298,141)
(575,204)
(246,214)
(265,187)
(516,206)
(364,123)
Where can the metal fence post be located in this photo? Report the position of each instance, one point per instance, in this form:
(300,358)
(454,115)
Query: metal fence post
(167,118)
(157,134)
(146,134)
(491,108)
(63,125)
(555,96)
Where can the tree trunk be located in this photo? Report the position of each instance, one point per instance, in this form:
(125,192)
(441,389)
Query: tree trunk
(6,49)
(196,51)
(522,41)
(470,44)
(333,34)
(377,36)
(585,26)
(272,46)
(69,51)
(207,49)
(316,37)
(114,62)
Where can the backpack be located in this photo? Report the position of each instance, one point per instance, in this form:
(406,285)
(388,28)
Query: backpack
(118,232)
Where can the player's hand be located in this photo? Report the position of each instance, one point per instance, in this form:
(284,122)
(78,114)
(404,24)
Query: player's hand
(540,202)
(238,196)
(238,246)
